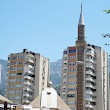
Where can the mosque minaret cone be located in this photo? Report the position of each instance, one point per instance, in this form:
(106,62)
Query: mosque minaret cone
(80,47)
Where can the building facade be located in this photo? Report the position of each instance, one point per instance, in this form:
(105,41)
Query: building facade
(85,76)
(28,74)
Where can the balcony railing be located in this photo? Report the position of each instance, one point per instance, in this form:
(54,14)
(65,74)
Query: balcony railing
(90,85)
(89,106)
(90,73)
(89,66)
(89,99)
(28,89)
(89,92)
(90,53)
(27,95)
(90,79)
(28,83)
(28,77)
(26,101)
(29,60)
(90,60)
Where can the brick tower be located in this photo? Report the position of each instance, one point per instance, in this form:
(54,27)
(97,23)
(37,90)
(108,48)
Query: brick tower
(80,46)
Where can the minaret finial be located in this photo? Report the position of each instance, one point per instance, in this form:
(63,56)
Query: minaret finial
(81,19)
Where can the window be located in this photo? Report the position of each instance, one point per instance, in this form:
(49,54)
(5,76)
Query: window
(72,70)
(18,85)
(13,69)
(71,82)
(19,73)
(12,80)
(11,92)
(71,102)
(17,97)
(11,97)
(19,68)
(72,51)
(11,86)
(20,57)
(65,52)
(20,62)
(12,74)
(19,80)
(18,91)
(71,76)
(70,95)
(12,63)
(71,89)
(14,57)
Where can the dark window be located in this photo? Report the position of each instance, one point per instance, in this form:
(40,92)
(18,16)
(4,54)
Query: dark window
(65,52)
(72,51)
(71,95)
(19,73)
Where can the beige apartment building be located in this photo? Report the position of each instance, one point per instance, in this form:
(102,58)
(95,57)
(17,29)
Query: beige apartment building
(85,75)
(28,75)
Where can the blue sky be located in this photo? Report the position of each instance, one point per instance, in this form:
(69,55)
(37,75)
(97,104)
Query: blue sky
(49,26)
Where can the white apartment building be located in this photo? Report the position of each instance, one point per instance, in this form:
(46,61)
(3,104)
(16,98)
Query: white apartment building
(28,74)
(96,78)
(85,83)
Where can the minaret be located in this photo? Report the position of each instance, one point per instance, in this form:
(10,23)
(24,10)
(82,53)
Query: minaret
(80,46)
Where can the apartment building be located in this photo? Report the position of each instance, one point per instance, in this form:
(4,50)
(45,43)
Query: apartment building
(85,75)
(28,75)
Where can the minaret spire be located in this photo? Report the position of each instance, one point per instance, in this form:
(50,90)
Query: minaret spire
(81,47)
(81,26)
(81,19)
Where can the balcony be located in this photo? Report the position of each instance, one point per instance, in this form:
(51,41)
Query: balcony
(89,106)
(25,101)
(90,85)
(90,79)
(65,55)
(89,60)
(64,80)
(30,72)
(89,92)
(28,89)
(90,53)
(90,73)
(28,77)
(27,95)
(64,74)
(64,66)
(29,60)
(65,61)
(28,83)
(90,66)
(90,99)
